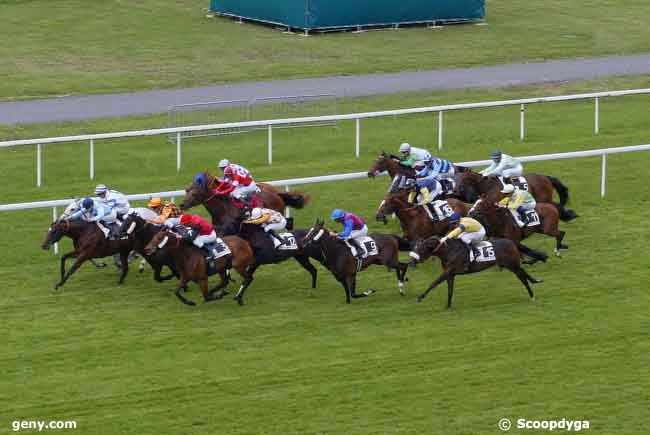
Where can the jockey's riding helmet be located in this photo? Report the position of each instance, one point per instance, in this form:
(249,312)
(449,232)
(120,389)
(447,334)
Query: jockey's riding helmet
(100,189)
(228,172)
(87,203)
(185,219)
(223,163)
(405,148)
(256,213)
(337,214)
(155,203)
(455,217)
(495,155)
(508,189)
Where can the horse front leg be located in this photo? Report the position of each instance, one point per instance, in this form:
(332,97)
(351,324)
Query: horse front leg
(124,269)
(239,296)
(63,260)
(306,264)
(77,264)
(433,285)
(401,277)
(183,286)
(450,290)
(558,243)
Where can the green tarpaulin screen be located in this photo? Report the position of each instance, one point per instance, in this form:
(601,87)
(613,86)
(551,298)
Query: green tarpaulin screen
(323,14)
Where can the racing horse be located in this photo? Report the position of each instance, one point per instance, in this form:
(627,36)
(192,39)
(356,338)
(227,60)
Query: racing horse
(338,259)
(192,265)
(266,253)
(89,242)
(471,185)
(136,227)
(414,219)
(499,222)
(224,213)
(453,256)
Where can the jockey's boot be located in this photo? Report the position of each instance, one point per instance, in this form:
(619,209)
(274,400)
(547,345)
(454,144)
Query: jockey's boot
(276,237)
(524,218)
(358,247)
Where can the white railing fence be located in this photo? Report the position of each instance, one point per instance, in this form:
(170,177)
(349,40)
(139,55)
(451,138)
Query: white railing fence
(357,117)
(603,153)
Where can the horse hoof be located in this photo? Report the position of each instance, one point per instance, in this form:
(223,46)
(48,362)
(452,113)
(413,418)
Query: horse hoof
(368,292)
(418,299)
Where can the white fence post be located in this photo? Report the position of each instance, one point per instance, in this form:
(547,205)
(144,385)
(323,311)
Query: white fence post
(522,122)
(54,218)
(596,115)
(39,164)
(287,210)
(603,176)
(92,159)
(178,151)
(270,144)
(357,137)
(440,123)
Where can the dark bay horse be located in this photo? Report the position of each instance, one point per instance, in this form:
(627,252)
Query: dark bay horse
(471,185)
(265,253)
(498,222)
(142,232)
(221,207)
(414,220)
(389,163)
(453,256)
(344,266)
(192,266)
(89,242)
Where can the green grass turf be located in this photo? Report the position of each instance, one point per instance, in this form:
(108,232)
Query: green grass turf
(74,46)
(132,359)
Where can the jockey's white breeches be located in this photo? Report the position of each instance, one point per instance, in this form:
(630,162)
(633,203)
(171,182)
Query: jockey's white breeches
(109,218)
(277,226)
(513,172)
(449,174)
(470,238)
(172,222)
(358,233)
(208,238)
(242,192)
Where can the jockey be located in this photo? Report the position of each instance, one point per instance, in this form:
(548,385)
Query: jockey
(114,201)
(270,221)
(168,212)
(517,201)
(441,169)
(93,211)
(206,234)
(503,165)
(412,155)
(469,230)
(240,178)
(353,227)
(427,185)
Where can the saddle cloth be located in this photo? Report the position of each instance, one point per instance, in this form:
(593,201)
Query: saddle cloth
(290,243)
(369,246)
(448,185)
(439,210)
(519,182)
(533,219)
(485,251)
(218,249)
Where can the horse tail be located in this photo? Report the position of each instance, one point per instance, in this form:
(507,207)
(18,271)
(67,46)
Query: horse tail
(295,199)
(566,214)
(561,190)
(403,244)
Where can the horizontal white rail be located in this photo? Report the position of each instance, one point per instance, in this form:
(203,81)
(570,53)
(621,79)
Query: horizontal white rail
(352,176)
(351,116)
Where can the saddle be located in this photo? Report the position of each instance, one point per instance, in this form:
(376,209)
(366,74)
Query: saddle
(481,252)
(519,182)
(289,242)
(215,250)
(448,186)
(438,210)
(367,244)
(529,219)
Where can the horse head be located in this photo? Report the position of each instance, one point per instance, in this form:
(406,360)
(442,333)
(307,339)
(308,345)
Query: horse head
(315,232)
(392,203)
(131,222)
(380,165)
(159,241)
(197,192)
(424,248)
(57,230)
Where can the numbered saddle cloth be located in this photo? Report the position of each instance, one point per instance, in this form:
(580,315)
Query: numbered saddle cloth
(217,249)
(368,244)
(438,210)
(289,242)
(519,182)
(484,252)
(532,219)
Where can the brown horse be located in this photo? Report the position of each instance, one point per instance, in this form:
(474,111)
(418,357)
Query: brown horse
(453,256)
(344,266)
(498,222)
(224,213)
(389,163)
(471,185)
(89,242)
(192,266)
(414,220)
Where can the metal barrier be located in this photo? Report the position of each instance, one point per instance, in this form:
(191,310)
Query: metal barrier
(270,124)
